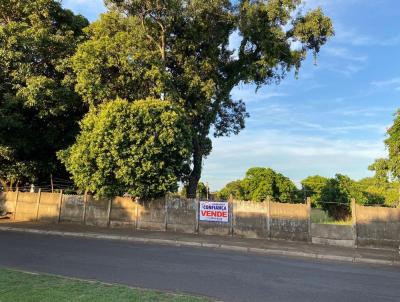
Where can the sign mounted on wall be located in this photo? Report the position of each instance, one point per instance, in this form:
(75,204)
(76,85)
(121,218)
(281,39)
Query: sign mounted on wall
(214,211)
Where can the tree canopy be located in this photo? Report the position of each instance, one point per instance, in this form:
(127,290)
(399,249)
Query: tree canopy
(140,148)
(313,186)
(178,50)
(260,184)
(39,109)
(393,145)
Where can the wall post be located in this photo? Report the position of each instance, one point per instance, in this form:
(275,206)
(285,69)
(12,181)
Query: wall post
(197,203)
(85,201)
(269,217)
(166,211)
(38,204)
(137,214)
(232,216)
(109,211)
(15,204)
(354,220)
(60,206)
(309,218)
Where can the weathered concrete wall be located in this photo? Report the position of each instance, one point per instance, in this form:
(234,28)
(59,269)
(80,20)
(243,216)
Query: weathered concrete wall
(289,221)
(26,206)
(151,215)
(373,226)
(97,211)
(331,234)
(7,201)
(181,215)
(378,226)
(250,219)
(72,208)
(49,206)
(124,212)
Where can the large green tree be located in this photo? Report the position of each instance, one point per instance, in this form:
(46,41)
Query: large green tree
(393,145)
(140,148)
(39,108)
(179,50)
(235,189)
(312,187)
(259,184)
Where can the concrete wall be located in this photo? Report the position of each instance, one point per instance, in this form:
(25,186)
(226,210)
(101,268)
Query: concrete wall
(152,215)
(49,206)
(72,208)
(7,201)
(250,219)
(290,221)
(246,219)
(26,206)
(331,234)
(124,212)
(372,226)
(377,226)
(181,215)
(97,211)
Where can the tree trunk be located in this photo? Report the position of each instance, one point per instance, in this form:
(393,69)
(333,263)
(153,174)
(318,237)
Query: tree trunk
(195,175)
(4,184)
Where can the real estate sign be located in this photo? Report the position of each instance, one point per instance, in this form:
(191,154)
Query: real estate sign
(214,211)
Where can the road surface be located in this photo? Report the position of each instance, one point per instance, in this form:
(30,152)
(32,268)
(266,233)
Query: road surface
(226,276)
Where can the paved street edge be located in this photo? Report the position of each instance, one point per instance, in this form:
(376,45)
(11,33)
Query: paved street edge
(225,247)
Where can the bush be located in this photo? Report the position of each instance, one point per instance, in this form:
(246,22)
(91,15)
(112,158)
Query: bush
(141,148)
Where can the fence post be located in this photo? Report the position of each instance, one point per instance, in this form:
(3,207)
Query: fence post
(269,217)
(38,204)
(197,203)
(309,218)
(85,200)
(109,211)
(137,214)
(60,206)
(231,205)
(354,220)
(15,205)
(166,211)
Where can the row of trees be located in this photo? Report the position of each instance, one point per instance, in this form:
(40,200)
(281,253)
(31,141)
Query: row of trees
(259,184)
(333,195)
(149,81)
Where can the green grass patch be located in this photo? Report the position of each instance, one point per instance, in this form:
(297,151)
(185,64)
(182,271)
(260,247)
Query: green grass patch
(19,286)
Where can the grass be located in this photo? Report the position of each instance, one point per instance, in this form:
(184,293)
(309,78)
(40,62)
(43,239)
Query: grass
(26,287)
(320,216)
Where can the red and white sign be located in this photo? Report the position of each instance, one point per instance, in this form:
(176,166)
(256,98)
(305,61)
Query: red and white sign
(214,211)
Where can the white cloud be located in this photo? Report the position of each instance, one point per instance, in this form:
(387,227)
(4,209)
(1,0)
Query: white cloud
(248,93)
(297,156)
(365,111)
(384,83)
(347,35)
(344,53)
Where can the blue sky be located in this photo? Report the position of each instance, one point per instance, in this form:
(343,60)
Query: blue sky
(333,118)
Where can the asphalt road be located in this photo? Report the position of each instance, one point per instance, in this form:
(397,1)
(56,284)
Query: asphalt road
(221,275)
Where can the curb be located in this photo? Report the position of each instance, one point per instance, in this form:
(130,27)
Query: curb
(224,247)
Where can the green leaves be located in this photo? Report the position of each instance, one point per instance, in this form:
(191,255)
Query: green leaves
(116,62)
(313,30)
(141,148)
(39,110)
(393,146)
(259,184)
(180,50)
